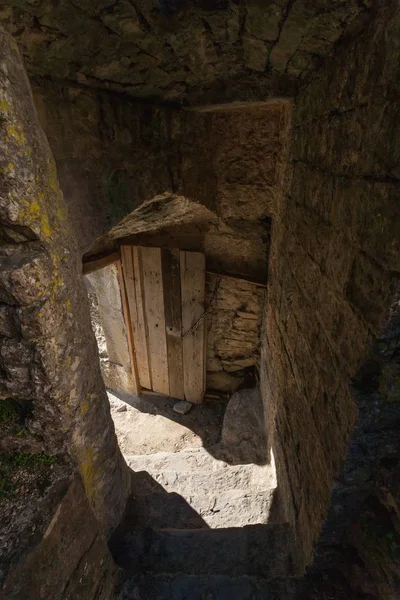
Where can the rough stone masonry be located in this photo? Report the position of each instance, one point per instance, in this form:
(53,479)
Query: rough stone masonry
(329,347)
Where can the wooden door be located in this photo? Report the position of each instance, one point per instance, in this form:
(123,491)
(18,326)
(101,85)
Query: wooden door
(165,291)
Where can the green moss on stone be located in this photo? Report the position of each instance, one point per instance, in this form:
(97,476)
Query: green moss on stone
(9,411)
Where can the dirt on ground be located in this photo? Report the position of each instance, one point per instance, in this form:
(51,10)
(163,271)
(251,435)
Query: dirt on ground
(148,424)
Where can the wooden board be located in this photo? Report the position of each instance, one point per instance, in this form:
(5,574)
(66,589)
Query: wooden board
(192,292)
(99,262)
(173,321)
(128,325)
(154,308)
(131,262)
(165,292)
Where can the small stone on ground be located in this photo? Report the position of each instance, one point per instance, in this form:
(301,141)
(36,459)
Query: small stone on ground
(182,407)
(150,424)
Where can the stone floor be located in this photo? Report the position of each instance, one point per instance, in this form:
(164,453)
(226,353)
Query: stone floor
(202,508)
(194,470)
(148,424)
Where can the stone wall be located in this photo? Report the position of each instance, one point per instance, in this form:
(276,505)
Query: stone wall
(111,154)
(53,406)
(334,258)
(233,331)
(360,541)
(199,181)
(242,179)
(243,50)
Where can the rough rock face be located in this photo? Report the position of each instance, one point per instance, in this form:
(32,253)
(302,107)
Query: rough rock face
(233,331)
(48,357)
(178,49)
(243,428)
(333,262)
(68,557)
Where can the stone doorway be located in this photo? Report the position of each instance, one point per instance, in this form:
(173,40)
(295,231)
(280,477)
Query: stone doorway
(204,488)
(231,330)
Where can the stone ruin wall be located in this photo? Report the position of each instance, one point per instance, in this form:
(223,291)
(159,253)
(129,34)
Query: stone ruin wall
(333,263)
(233,332)
(216,175)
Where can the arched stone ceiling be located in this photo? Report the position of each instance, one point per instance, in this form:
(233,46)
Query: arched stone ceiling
(195,51)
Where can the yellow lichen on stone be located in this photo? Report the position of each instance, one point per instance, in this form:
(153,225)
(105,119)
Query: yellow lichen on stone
(36,215)
(88,471)
(45,225)
(53,180)
(8,170)
(32,211)
(16,132)
(61,213)
(68,304)
(4,106)
(57,279)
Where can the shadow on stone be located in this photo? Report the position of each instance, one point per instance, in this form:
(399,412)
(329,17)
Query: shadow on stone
(234,432)
(179,540)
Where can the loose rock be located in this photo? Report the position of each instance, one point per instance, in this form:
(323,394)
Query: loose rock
(182,407)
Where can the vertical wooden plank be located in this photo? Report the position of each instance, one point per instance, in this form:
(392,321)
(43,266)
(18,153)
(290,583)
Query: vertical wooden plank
(134,288)
(193,271)
(129,334)
(142,333)
(173,321)
(154,302)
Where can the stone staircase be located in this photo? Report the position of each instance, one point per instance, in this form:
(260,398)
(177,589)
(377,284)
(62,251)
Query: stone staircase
(189,587)
(199,527)
(169,488)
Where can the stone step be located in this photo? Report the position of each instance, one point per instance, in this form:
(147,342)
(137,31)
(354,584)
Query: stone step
(167,586)
(193,489)
(197,469)
(255,550)
(200,459)
(203,509)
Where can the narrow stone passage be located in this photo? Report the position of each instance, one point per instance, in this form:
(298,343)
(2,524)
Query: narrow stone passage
(201,506)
